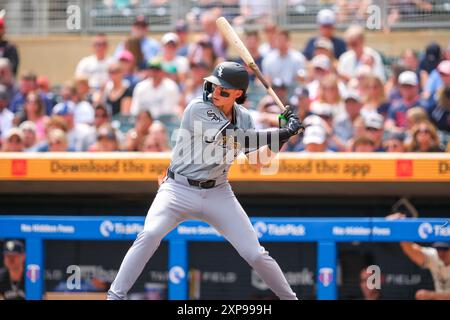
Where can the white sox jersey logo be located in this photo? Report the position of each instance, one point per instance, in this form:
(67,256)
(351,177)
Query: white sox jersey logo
(213,116)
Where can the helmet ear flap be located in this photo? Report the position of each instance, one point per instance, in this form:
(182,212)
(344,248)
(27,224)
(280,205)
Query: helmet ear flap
(207,90)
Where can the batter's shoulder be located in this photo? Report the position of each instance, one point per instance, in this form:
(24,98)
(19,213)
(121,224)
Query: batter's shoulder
(197,104)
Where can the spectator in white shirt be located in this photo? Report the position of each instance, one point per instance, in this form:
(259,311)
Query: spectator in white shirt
(357,55)
(95,66)
(157,94)
(435,258)
(284,62)
(6,116)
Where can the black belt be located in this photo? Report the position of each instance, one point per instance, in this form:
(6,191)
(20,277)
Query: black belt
(206,184)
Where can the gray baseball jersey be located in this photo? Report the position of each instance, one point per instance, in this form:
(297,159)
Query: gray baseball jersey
(202,151)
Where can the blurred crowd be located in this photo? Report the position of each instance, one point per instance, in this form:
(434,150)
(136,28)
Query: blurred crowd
(348,95)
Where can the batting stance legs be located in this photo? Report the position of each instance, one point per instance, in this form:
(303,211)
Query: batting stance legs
(218,207)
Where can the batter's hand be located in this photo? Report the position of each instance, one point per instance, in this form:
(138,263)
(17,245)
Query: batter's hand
(294,126)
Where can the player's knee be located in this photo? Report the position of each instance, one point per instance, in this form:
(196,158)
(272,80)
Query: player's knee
(254,256)
(149,236)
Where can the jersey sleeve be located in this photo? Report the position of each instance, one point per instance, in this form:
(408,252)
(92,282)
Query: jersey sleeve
(431,258)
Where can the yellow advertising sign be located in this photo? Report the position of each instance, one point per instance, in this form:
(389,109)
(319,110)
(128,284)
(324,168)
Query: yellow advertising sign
(291,167)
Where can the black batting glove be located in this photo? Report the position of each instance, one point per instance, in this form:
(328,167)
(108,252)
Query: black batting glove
(294,125)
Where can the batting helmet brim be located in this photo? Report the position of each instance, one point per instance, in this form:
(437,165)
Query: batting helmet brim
(220,82)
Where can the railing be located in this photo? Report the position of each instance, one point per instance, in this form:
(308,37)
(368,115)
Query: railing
(325,231)
(50,16)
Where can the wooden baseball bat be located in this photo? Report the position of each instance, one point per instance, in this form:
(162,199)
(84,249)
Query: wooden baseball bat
(233,39)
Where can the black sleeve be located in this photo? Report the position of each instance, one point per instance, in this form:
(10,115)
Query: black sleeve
(13,56)
(252,140)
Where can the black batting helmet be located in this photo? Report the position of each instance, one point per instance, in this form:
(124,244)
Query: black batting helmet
(228,75)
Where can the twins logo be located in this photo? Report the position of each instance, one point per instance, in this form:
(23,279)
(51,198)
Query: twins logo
(326,276)
(176,274)
(33,271)
(213,116)
(424,230)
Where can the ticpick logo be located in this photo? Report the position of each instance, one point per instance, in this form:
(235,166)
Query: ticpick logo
(260,228)
(220,71)
(33,271)
(176,274)
(326,276)
(106,228)
(424,230)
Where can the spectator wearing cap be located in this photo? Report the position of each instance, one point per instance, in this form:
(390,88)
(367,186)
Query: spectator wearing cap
(435,258)
(117,93)
(12,276)
(321,67)
(326,21)
(394,142)
(8,50)
(30,140)
(158,94)
(424,138)
(374,129)
(410,98)
(284,62)
(315,139)
(128,65)
(324,46)
(6,116)
(95,66)
(34,110)
(169,58)
(374,97)
(326,112)
(438,79)
(135,137)
(343,125)
(300,101)
(352,59)
(139,30)
(194,83)
(57,141)
(13,141)
(267,109)
(107,140)
(79,135)
(182,31)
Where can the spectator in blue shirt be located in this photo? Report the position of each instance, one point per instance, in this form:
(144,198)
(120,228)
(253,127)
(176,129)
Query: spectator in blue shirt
(409,91)
(326,20)
(149,47)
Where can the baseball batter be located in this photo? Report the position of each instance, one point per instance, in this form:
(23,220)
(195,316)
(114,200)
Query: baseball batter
(214,129)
